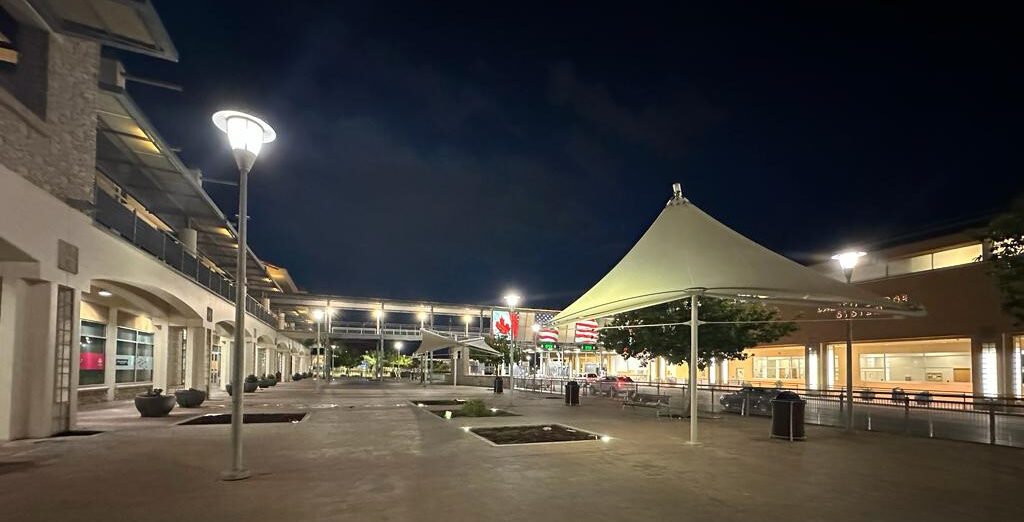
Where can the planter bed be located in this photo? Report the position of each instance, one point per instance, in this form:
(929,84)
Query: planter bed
(247,418)
(459,413)
(507,435)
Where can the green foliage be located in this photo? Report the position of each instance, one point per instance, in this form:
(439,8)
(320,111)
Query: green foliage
(501,344)
(475,408)
(1007,234)
(251,378)
(717,341)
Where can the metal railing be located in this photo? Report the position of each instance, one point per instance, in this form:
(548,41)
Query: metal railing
(111,214)
(998,421)
(399,329)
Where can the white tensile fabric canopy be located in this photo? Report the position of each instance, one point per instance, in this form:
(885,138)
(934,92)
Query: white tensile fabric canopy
(433,341)
(687,252)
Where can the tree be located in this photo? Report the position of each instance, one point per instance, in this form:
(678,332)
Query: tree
(1006,232)
(717,341)
(503,347)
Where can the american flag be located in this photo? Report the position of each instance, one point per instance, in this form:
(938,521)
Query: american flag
(546,334)
(586,332)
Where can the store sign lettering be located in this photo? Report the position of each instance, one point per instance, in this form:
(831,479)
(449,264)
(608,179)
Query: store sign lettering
(854,314)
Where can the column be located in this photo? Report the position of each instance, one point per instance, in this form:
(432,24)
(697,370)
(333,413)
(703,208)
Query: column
(110,354)
(27,351)
(197,363)
(160,342)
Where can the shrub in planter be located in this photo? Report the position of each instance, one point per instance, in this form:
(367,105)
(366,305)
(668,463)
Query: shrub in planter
(277,376)
(154,403)
(266,382)
(475,408)
(297,377)
(252,383)
(190,398)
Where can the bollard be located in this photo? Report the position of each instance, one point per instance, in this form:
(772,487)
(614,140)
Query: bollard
(992,424)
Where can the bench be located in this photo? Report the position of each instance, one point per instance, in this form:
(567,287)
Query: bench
(646,400)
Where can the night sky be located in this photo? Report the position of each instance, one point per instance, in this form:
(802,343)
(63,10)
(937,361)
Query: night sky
(450,151)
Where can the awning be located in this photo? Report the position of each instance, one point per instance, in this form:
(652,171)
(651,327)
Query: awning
(131,25)
(687,252)
(433,341)
(132,153)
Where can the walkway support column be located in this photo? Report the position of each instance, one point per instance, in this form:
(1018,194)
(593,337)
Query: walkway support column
(694,324)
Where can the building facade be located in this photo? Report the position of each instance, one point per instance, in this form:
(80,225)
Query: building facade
(110,250)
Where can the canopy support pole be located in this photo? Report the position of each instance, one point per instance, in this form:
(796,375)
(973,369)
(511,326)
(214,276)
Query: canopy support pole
(694,324)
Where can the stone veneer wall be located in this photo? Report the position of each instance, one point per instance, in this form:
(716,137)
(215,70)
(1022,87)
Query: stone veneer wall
(48,115)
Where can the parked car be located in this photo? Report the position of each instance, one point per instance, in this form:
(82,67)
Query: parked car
(612,386)
(758,400)
(587,378)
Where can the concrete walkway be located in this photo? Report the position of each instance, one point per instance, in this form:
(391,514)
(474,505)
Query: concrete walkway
(366,453)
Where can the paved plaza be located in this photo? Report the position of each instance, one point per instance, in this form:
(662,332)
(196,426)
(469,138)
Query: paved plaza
(366,452)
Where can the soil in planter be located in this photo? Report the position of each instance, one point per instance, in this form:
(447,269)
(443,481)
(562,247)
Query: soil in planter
(460,413)
(441,402)
(247,418)
(533,434)
(76,433)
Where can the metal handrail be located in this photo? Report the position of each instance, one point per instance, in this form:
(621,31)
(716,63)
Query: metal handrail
(114,216)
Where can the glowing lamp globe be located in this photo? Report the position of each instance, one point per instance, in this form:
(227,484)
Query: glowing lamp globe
(246,134)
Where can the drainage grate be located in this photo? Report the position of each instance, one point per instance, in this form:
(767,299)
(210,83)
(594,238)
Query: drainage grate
(247,418)
(505,435)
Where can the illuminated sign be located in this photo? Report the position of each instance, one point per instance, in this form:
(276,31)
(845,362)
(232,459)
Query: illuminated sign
(503,323)
(588,348)
(548,346)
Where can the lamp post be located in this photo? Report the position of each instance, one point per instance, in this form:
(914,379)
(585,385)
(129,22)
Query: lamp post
(246,136)
(466,320)
(847,261)
(318,315)
(511,300)
(379,314)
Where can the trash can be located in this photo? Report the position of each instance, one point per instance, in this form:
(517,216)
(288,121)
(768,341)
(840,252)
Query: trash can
(572,393)
(499,385)
(788,416)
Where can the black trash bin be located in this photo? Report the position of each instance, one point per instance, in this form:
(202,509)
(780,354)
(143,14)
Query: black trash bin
(788,416)
(572,393)
(499,385)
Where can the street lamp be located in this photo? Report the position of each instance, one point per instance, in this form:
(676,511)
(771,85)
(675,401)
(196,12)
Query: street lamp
(512,300)
(318,316)
(246,135)
(848,261)
(398,345)
(466,320)
(379,315)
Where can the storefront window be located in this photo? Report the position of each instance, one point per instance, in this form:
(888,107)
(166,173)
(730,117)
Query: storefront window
(134,360)
(779,368)
(916,367)
(1018,371)
(989,370)
(91,358)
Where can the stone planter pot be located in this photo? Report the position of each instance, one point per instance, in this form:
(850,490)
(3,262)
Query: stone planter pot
(190,398)
(154,405)
(251,387)
(266,383)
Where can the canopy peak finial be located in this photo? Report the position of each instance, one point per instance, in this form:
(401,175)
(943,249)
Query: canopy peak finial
(677,195)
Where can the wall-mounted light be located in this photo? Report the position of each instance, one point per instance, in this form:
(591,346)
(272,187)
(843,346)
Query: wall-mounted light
(104,293)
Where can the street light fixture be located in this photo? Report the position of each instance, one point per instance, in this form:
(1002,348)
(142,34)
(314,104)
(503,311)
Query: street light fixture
(512,300)
(848,261)
(466,319)
(246,135)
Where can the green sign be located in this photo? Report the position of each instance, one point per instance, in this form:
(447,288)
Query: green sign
(588,348)
(549,346)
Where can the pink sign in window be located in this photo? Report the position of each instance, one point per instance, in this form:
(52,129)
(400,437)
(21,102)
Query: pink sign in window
(90,361)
